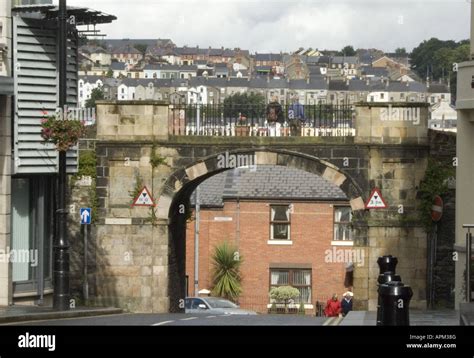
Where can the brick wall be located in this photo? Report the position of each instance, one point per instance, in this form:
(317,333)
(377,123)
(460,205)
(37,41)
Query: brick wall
(311,234)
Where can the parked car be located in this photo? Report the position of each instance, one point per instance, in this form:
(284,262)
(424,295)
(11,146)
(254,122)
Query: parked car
(214,305)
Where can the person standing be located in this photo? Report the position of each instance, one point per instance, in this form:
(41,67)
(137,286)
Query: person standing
(333,307)
(296,117)
(346,303)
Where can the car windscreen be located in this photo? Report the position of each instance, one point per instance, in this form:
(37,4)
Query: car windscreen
(220,303)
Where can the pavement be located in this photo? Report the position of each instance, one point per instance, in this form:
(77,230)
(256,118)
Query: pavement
(417,318)
(14,314)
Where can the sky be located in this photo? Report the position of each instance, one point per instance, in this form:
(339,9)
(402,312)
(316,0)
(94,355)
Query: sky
(286,25)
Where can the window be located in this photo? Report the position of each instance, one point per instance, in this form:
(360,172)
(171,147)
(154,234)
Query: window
(442,96)
(402,95)
(300,279)
(342,221)
(382,95)
(280,222)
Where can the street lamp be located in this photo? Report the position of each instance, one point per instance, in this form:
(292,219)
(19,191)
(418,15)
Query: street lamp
(61,294)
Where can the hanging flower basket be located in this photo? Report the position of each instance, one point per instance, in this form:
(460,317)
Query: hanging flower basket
(62,132)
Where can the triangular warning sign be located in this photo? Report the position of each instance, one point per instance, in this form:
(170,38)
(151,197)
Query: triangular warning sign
(375,200)
(144,198)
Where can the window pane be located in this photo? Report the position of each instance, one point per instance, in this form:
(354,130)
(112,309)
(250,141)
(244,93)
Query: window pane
(301,277)
(279,278)
(280,213)
(280,231)
(305,295)
(343,214)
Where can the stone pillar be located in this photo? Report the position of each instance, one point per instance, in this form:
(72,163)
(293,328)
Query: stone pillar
(398,137)
(132,243)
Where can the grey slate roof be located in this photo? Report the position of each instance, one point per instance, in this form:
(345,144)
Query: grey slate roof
(267,182)
(337,85)
(374,71)
(347,59)
(268,57)
(91,79)
(170,67)
(438,88)
(118,66)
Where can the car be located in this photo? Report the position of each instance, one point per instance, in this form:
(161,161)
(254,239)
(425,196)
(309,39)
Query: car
(214,305)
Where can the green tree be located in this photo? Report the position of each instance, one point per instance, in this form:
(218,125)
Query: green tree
(97,94)
(245,104)
(347,51)
(226,277)
(401,51)
(284,294)
(109,73)
(141,47)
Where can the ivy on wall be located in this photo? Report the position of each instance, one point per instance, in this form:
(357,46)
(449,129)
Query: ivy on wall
(434,183)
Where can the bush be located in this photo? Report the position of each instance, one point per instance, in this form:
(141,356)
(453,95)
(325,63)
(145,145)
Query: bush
(284,294)
(301,309)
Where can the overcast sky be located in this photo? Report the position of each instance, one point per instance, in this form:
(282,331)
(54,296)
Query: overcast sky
(286,25)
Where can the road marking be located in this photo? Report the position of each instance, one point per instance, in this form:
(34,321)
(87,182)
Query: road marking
(162,323)
(188,319)
(328,321)
(211,316)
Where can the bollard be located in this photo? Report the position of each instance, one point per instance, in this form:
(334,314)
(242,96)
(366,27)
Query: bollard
(387,263)
(387,266)
(384,279)
(395,303)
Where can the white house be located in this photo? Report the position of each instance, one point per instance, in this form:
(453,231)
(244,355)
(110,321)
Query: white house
(197,94)
(126,91)
(86,85)
(378,96)
(443,116)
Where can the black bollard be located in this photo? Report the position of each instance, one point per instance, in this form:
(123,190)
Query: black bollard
(384,279)
(387,263)
(395,303)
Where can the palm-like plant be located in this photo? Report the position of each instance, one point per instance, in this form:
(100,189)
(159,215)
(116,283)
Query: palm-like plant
(226,278)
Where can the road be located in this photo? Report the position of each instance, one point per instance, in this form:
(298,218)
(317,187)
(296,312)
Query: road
(176,319)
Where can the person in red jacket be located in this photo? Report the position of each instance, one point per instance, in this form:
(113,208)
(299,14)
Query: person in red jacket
(333,307)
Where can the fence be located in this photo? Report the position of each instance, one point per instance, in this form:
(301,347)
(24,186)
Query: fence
(262,305)
(247,120)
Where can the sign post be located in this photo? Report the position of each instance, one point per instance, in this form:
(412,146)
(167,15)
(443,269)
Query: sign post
(86,214)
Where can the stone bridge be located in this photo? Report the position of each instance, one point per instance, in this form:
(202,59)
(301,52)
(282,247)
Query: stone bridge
(141,251)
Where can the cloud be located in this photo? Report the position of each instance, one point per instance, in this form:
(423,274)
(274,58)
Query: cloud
(275,25)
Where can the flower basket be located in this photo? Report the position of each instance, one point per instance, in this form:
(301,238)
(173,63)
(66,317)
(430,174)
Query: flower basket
(62,132)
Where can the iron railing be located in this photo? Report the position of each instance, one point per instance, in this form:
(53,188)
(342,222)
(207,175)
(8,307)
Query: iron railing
(246,120)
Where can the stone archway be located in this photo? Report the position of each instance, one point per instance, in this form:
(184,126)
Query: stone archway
(175,193)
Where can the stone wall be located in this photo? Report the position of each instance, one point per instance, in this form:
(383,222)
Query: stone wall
(141,260)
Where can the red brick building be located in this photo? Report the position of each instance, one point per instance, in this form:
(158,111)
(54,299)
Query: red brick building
(289,226)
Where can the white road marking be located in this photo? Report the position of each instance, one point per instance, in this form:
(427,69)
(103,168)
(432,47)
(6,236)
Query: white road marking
(211,316)
(328,321)
(188,319)
(162,323)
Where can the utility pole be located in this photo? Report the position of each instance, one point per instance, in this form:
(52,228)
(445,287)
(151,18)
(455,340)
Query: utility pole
(198,216)
(61,294)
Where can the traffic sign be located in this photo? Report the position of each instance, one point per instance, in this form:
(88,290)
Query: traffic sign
(144,198)
(376,200)
(85,216)
(437,209)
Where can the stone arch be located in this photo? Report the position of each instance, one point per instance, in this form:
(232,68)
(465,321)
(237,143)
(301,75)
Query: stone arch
(204,168)
(176,191)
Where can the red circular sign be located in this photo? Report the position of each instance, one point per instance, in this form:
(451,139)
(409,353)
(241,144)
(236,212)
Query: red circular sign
(437,208)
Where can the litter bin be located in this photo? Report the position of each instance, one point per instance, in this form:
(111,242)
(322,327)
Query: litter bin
(395,300)
(384,279)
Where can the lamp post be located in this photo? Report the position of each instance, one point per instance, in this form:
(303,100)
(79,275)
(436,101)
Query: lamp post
(60,245)
(197,209)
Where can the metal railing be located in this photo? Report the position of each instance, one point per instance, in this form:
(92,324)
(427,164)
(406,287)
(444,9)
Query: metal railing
(245,120)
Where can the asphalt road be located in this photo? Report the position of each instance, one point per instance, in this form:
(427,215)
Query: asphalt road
(185,320)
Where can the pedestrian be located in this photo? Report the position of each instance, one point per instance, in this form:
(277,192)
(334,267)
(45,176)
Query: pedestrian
(274,118)
(296,117)
(346,303)
(333,307)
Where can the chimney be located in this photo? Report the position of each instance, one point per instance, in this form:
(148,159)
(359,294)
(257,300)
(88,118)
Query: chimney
(367,81)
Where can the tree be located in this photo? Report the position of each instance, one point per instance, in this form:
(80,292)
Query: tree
(109,74)
(284,294)
(97,94)
(347,51)
(401,51)
(244,104)
(226,277)
(141,47)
